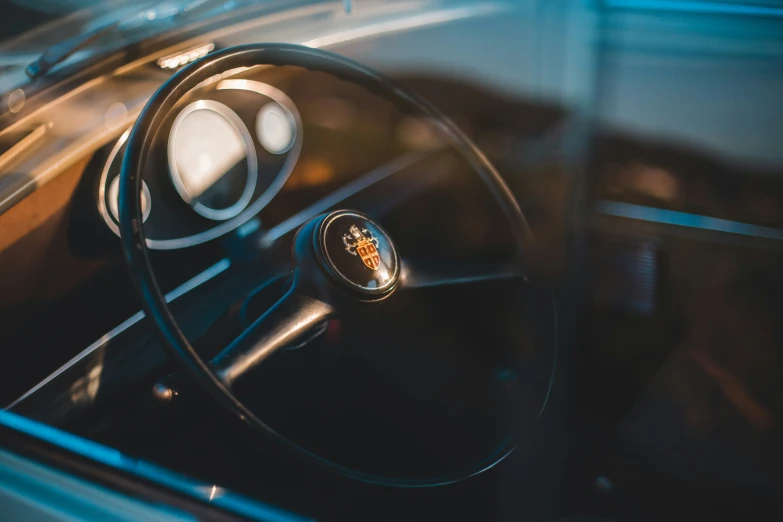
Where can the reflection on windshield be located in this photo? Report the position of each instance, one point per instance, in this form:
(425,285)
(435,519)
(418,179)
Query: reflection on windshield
(30,29)
(20,18)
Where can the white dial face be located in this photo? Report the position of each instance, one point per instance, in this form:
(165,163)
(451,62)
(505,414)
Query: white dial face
(113,198)
(212,160)
(275,128)
(205,148)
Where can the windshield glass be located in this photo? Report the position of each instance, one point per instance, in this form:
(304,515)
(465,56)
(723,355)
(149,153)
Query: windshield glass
(30,28)
(39,23)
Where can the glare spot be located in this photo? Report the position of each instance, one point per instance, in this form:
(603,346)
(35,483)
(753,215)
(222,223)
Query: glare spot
(174,61)
(646,179)
(115,116)
(249,228)
(85,389)
(417,133)
(654,181)
(16,101)
(211,492)
(311,173)
(604,484)
(204,146)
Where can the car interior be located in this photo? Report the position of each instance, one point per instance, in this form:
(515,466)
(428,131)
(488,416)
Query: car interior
(399,260)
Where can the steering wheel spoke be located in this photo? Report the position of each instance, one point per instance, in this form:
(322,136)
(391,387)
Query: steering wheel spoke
(415,276)
(291,319)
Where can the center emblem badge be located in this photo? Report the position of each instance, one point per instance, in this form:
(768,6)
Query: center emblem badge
(349,231)
(363,243)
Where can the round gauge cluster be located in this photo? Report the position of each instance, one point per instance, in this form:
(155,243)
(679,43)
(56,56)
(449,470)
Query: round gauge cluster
(213,165)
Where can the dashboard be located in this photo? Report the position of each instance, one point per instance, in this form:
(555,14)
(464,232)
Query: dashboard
(221,156)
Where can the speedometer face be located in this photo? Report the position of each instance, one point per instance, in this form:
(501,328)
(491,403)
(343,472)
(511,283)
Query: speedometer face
(212,160)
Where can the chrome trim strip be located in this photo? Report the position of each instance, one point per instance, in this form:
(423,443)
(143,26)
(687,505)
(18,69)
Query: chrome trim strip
(104,212)
(683,219)
(145,196)
(357,185)
(23,145)
(55,167)
(102,196)
(180,58)
(410,280)
(682,6)
(257,87)
(415,21)
(251,156)
(178,292)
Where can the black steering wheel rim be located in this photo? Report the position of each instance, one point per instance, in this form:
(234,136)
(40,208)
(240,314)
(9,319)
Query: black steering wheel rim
(136,251)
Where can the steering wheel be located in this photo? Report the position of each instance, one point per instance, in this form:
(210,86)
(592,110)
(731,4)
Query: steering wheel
(345,262)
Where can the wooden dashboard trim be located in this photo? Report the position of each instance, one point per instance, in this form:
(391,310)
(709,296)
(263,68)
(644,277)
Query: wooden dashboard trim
(35,255)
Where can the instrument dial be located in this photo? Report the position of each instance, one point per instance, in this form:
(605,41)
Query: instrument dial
(212,160)
(275,128)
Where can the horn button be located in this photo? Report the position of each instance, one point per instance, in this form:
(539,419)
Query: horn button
(357,253)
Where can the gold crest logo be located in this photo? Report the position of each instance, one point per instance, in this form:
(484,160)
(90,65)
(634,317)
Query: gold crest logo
(363,243)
